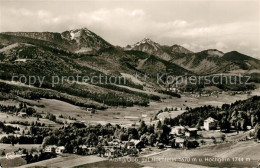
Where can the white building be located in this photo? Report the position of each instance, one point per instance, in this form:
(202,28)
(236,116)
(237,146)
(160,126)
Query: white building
(50,148)
(210,124)
(60,149)
(178,130)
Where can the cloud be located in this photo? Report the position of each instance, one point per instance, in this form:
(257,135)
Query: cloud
(122,26)
(20,12)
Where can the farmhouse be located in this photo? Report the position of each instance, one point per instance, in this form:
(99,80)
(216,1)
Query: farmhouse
(160,145)
(109,153)
(91,150)
(210,124)
(177,130)
(60,149)
(50,148)
(134,144)
(179,142)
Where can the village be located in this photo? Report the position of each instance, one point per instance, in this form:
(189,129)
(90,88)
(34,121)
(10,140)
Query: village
(50,136)
(178,137)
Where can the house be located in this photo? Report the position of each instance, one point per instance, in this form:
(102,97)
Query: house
(191,132)
(109,153)
(179,142)
(81,148)
(134,144)
(91,150)
(60,149)
(210,124)
(160,145)
(20,60)
(50,148)
(138,144)
(91,110)
(177,130)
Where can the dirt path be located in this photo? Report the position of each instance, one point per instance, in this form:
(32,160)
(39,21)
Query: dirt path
(157,153)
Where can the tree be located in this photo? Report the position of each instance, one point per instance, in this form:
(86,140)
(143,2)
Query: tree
(159,125)
(144,139)
(123,137)
(133,131)
(225,125)
(150,129)
(257,131)
(214,140)
(100,150)
(152,139)
(3,153)
(142,128)
(200,123)
(223,138)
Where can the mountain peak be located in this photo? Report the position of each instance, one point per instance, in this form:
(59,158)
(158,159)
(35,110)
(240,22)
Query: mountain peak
(179,49)
(75,34)
(84,40)
(150,47)
(213,52)
(146,45)
(84,29)
(146,40)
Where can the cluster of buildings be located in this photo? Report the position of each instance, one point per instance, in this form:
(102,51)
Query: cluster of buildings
(179,135)
(182,134)
(112,149)
(54,149)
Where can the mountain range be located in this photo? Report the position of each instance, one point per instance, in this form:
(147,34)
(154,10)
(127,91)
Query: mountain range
(81,51)
(83,41)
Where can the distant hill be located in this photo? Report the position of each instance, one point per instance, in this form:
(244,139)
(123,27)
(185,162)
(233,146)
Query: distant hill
(207,61)
(150,47)
(242,61)
(239,114)
(77,41)
(213,61)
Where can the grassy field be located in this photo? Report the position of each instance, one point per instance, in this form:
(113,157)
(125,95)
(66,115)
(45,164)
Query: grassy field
(240,154)
(10,148)
(118,115)
(220,162)
(110,164)
(13,162)
(66,160)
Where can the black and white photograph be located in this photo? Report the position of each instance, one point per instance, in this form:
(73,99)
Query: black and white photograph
(130,83)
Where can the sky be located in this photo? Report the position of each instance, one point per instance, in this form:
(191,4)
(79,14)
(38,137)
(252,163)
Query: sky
(195,24)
